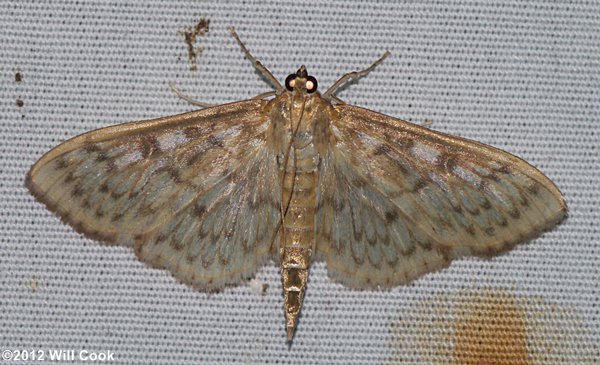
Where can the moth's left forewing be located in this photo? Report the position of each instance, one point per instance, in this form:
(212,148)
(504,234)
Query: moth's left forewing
(429,190)
(194,193)
(457,183)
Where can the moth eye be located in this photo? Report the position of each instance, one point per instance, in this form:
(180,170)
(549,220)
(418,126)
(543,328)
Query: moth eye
(290,81)
(311,84)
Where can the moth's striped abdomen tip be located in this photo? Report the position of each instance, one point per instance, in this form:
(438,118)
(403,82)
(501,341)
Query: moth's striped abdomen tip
(290,333)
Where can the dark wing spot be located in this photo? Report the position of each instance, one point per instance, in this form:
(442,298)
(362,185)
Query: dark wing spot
(534,188)
(458,209)
(382,149)
(356,228)
(144,211)
(69,178)
(91,147)
(390,216)
(339,247)
(175,245)
(175,175)
(486,204)
(393,261)
(61,163)
(110,166)
(117,217)
(227,172)
(203,233)
(116,196)
(515,213)
(446,162)
(505,169)
(493,177)
(190,258)
(195,157)
(445,252)
(482,185)
(470,230)
(359,183)
(192,132)
(148,146)
(420,184)
(77,191)
(223,260)
(215,142)
(427,245)
(101,157)
(407,144)
(199,210)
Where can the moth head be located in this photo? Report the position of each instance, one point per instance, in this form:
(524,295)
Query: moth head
(301,81)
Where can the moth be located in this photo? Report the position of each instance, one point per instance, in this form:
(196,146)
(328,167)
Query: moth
(295,176)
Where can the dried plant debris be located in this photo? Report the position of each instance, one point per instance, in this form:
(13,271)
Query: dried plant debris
(191,34)
(19,78)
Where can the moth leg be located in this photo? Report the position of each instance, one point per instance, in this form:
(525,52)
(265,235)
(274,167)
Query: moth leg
(353,75)
(336,99)
(188,99)
(259,66)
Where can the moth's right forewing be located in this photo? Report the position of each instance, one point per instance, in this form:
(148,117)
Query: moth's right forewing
(408,197)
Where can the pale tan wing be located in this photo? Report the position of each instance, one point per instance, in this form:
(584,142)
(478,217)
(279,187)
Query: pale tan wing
(195,193)
(396,200)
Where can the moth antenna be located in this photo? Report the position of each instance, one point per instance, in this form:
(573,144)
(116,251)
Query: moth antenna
(181,95)
(353,75)
(259,66)
(202,104)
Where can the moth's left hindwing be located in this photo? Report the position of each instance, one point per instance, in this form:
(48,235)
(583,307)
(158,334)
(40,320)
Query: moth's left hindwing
(397,200)
(195,193)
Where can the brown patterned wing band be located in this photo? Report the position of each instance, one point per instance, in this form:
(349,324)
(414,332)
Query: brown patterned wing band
(408,200)
(192,192)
